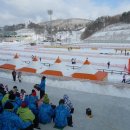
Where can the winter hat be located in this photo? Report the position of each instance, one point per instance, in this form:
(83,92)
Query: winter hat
(24,104)
(44,77)
(8,105)
(1,86)
(34,93)
(46,99)
(61,101)
(12,96)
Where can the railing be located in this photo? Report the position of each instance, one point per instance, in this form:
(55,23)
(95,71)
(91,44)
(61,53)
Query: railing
(114,71)
(73,66)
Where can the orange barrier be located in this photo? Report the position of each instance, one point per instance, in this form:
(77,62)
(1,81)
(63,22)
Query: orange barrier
(98,76)
(52,72)
(101,75)
(8,66)
(84,76)
(26,69)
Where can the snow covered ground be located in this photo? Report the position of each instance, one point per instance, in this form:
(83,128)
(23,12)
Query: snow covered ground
(110,100)
(109,112)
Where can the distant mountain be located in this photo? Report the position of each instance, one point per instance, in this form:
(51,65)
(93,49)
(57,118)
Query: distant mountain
(66,24)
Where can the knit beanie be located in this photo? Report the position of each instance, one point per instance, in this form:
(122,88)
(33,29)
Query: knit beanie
(24,104)
(8,105)
(34,93)
(46,99)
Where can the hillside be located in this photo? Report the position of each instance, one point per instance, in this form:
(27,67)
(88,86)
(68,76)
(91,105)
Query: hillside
(65,24)
(105,21)
(120,31)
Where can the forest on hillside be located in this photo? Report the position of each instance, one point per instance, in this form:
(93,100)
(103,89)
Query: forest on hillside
(104,21)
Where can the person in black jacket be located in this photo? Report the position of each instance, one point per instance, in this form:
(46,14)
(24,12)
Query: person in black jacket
(14,75)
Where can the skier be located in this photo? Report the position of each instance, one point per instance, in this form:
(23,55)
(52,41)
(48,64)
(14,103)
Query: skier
(14,75)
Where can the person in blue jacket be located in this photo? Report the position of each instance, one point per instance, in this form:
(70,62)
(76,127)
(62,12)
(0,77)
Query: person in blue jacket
(11,121)
(42,86)
(46,112)
(61,114)
(32,100)
(12,100)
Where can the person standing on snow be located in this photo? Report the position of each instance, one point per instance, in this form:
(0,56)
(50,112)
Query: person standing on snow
(20,76)
(124,78)
(42,86)
(14,75)
(108,64)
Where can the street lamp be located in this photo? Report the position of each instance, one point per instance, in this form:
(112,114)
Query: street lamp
(50,12)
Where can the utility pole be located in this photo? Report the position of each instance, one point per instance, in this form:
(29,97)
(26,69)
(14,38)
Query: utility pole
(50,12)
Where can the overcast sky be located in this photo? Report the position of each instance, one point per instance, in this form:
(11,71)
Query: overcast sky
(21,11)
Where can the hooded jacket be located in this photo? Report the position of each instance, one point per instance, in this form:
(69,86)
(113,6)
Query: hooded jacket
(10,121)
(26,114)
(32,103)
(45,113)
(67,103)
(61,115)
(42,85)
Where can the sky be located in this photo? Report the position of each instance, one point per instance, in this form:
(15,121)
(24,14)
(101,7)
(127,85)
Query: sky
(23,11)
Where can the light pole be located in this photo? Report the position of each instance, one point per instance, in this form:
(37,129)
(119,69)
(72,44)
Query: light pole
(50,12)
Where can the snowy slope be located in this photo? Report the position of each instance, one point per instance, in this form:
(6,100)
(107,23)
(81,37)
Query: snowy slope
(112,32)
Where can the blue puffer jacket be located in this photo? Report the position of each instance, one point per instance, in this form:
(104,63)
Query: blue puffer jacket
(10,121)
(45,113)
(32,103)
(18,101)
(42,85)
(61,115)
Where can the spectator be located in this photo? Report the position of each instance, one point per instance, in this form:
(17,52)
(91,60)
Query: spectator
(32,100)
(46,112)
(10,121)
(26,114)
(70,108)
(22,94)
(61,114)
(12,100)
(14,75)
